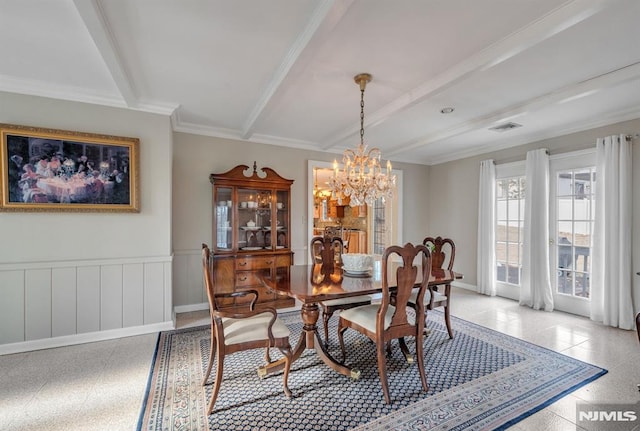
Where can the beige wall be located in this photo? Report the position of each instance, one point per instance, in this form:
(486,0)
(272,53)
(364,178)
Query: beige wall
(457,216)
(29,237)
(195,157)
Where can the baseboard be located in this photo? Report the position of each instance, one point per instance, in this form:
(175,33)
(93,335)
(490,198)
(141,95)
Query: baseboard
(90,337)
(190,307)
(465,286)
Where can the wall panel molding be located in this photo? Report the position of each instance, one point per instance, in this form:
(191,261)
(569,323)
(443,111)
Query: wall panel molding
(57,303)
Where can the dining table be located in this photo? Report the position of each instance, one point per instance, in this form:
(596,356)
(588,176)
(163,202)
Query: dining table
(312,284)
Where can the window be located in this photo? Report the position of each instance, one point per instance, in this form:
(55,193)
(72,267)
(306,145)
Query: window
(572,185)
(379,228)
(575,196)
(509,228)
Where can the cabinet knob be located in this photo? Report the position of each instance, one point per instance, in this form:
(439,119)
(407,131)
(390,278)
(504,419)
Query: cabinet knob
(243,278)
(242,263)
(269,262)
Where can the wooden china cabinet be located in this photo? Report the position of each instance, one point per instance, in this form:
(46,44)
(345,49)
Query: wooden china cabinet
(251,232)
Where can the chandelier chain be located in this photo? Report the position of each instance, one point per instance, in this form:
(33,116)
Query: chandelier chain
(362,116)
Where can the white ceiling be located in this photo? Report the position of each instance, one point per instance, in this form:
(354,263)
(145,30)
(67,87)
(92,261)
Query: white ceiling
(281,71)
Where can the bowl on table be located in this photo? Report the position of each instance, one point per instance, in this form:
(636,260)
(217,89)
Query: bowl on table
(357,263)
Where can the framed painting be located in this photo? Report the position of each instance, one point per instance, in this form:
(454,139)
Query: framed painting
(59,170)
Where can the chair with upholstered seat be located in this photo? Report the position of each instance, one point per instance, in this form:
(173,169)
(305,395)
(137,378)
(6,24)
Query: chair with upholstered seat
(328,252)
(236,330)
(389,319)
(443,253)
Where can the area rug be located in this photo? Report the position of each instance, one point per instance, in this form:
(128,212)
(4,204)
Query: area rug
(480,380)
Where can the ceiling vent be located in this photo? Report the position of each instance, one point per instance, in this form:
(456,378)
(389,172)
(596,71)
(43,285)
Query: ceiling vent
(506,126)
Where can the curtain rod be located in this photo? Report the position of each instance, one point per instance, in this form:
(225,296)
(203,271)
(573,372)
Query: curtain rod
(629,138)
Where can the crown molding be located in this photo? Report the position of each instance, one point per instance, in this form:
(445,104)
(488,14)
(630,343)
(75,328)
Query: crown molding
(64,92)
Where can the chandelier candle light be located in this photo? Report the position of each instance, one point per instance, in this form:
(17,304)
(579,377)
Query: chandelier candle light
(362,178)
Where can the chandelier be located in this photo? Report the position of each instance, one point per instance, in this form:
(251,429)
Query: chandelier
(362,178)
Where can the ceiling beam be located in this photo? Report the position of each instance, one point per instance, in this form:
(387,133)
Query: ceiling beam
(566,16)
(324,19)
(94,19)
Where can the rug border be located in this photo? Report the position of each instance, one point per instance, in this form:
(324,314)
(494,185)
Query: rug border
(143,410)
(555,398)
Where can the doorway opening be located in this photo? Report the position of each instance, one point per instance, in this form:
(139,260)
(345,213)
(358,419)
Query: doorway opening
(364,229)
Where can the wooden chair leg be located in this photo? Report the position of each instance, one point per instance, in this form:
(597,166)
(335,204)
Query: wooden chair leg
(287,366)
(420,355)
(341,340)
(212,352)
(325,320)
(382,371)
(267,356)
(447,320)
(218,381)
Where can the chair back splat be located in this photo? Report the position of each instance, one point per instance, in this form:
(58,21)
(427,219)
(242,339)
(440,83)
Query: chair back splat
(327,252)
(439,248)
(443,251)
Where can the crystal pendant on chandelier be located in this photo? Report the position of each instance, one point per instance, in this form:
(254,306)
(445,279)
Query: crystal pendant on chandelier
(362,177)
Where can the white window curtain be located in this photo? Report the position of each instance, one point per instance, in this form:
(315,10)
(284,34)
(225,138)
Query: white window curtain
(535,290)
(611,301)
(486,267)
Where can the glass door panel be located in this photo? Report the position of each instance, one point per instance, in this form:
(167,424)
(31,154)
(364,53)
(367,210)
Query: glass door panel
(250,222)
(223,226)
(282,219)
(571,227)
(510,193)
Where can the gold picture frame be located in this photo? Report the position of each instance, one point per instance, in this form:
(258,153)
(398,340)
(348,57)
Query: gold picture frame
(59,170)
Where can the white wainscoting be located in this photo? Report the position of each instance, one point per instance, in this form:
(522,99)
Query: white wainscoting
(52,304)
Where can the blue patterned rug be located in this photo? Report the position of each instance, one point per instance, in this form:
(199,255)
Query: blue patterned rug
(480,380)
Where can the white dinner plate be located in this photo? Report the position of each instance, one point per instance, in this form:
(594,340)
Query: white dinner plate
(357,271)
(251,248)
(251,228)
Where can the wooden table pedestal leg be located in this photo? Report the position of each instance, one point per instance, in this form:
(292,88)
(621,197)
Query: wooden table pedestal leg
(310,339)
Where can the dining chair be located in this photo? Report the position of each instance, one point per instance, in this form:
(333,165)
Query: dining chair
(237,330)
(327,251)
(443,253)
(389,319)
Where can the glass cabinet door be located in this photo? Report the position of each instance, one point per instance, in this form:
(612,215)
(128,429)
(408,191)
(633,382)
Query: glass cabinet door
(254,219)
(282,219)
(223,227)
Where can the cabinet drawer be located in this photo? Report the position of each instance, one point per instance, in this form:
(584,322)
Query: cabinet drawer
(247,278)
(283,260)
(264,295)
(258,262)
